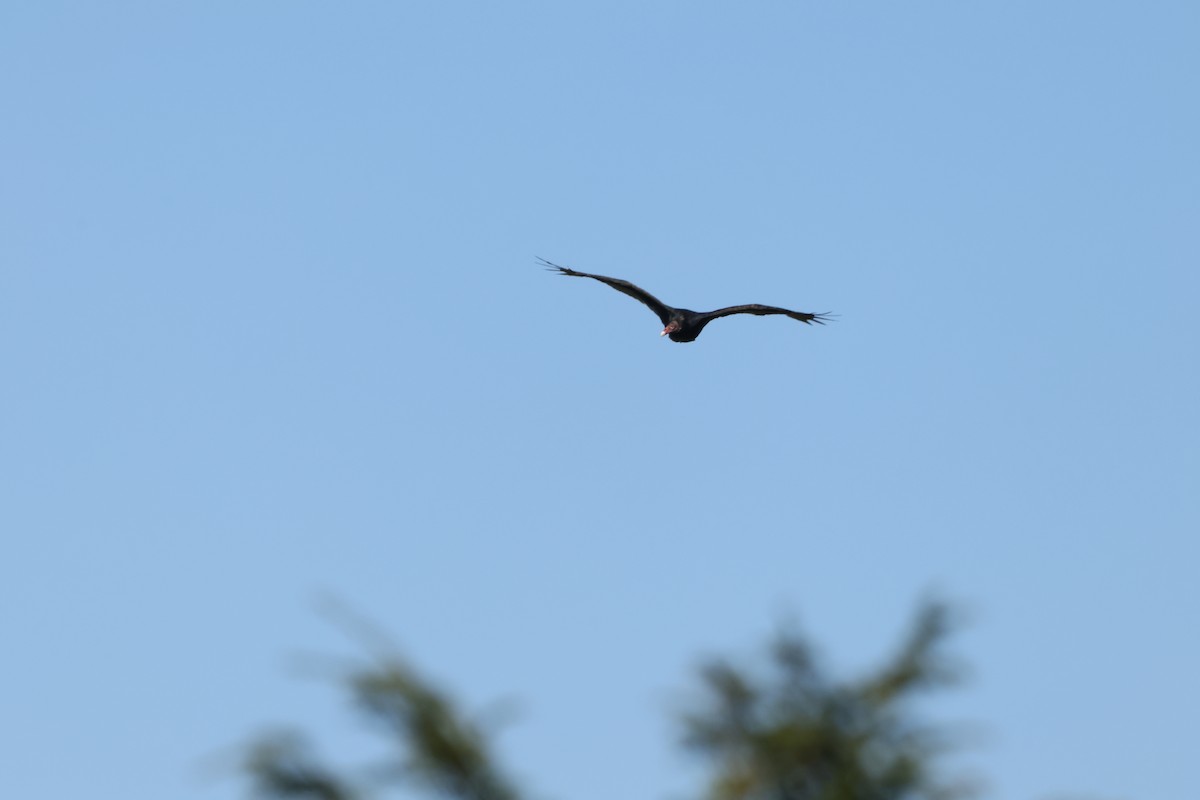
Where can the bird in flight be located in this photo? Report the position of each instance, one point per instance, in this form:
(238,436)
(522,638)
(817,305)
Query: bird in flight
(684,325)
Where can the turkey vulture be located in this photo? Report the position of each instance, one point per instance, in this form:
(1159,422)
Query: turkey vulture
(684,325)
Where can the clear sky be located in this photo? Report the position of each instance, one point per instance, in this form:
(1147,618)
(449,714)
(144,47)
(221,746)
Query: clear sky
(271,326)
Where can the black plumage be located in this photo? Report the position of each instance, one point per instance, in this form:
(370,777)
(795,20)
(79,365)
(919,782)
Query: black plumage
(682,324)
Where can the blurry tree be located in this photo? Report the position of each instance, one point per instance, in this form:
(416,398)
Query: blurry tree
(791,734)
(797,734)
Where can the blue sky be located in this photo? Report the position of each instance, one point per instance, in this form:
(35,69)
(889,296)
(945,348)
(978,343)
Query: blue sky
(271,327)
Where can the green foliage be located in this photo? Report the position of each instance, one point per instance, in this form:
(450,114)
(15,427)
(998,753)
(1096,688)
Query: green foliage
(438,749)
(799,735)
(794,734)
(282,765)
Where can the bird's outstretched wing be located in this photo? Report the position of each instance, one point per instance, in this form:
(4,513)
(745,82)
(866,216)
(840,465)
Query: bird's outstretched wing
(624,287)
(762,311)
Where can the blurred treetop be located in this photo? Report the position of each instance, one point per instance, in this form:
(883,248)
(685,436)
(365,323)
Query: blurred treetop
(794,733)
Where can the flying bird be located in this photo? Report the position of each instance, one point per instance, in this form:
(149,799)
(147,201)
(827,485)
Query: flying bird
(682,324)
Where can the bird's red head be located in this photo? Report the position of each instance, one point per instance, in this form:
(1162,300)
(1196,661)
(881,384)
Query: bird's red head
(672,326)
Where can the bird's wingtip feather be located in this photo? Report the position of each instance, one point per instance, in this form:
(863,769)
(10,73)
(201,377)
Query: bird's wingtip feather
(552,267)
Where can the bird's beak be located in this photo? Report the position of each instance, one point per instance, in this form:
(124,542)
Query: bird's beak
(665,331)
